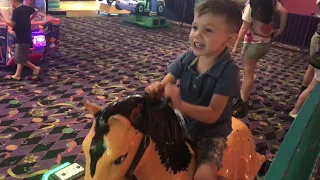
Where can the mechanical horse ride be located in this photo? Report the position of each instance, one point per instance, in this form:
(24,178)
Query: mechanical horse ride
(143,138)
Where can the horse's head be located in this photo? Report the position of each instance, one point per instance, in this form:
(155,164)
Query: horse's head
(114,141)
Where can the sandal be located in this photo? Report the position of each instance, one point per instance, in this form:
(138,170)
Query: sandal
(36,77)
(293,115)
(240,109)
(10,78)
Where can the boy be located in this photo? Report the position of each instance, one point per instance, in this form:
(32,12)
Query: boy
(21,25)
(209,80)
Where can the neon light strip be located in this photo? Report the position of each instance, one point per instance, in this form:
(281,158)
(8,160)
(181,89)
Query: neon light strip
(58,168)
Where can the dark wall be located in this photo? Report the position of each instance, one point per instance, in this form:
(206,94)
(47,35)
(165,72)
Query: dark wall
(181,10)
(299,30)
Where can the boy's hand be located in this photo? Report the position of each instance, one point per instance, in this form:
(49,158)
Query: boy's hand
(1,17)
(173,93)
(155,90)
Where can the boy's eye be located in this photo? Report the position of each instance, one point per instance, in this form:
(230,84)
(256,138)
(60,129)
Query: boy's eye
(194,27)
(208,30)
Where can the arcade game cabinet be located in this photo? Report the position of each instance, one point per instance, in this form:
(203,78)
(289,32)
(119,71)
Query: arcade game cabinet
(45,33)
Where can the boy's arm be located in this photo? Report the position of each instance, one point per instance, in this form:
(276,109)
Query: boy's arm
(36,11)
(209,114)
(168,79)
(228,86)
(174,72)
(206,114)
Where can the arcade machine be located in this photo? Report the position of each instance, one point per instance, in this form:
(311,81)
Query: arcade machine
(110,7)
(138,9)
(45,33)
(54,4)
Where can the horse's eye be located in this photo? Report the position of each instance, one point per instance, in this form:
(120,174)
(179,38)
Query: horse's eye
(120,159)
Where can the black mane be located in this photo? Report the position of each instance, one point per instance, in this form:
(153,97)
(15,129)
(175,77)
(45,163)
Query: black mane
(152,117)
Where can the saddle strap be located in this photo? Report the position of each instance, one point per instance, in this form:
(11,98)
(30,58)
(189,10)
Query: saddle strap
(142,148)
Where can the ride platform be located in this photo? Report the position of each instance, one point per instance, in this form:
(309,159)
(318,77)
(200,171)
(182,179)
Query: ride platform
(152,22)
(111,9)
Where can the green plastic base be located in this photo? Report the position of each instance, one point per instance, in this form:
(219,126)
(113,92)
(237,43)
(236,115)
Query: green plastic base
(54,5)
(152,22)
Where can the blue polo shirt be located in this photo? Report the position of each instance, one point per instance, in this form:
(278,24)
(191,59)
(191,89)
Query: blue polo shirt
(222,78)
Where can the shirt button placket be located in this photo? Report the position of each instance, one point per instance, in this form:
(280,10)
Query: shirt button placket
(195,85)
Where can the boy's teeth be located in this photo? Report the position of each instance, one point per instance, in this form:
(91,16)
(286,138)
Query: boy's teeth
(198,45)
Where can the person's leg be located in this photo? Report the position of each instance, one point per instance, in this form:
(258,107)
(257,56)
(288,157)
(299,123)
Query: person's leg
(35,69)
(20,57)
(209,158)
(249,66)
(309,74)
(304,95)
(307,78)
(17,75)
(251,54)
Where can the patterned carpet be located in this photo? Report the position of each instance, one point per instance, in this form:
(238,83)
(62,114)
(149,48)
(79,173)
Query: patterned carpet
(104,59)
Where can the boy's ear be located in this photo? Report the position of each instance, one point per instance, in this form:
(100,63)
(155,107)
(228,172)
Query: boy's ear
(92,107)
(231,40)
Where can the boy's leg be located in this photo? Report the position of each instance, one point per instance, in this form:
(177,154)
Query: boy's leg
(206,171)
(209,157)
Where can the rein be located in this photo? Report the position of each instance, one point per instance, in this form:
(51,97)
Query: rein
(141,150)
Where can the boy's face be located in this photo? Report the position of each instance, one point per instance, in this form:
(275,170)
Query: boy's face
(210,35)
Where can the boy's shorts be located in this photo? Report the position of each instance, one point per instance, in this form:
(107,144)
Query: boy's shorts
(210,150)
(255,51)
(21,53)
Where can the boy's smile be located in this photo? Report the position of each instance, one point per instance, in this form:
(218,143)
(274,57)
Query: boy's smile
(209,35)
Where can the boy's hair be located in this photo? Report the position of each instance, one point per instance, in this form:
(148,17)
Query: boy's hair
(19,1)
(227,8)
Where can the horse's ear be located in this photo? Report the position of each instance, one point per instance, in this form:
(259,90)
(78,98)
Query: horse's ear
(92,107)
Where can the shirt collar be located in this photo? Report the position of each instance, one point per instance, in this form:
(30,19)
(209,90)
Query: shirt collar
(216,69)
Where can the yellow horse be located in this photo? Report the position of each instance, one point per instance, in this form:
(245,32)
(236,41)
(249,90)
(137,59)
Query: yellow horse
(142,138)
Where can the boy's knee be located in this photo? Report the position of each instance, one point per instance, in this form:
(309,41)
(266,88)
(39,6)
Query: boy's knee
(206,171)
